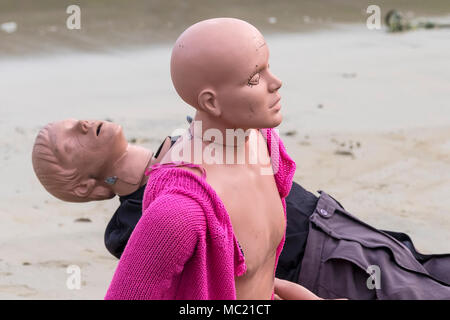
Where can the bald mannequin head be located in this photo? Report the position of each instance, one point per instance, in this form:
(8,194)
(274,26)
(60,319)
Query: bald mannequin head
(221,68)
(73,160)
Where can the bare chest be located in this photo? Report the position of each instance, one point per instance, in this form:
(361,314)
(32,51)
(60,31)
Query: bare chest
(255,209)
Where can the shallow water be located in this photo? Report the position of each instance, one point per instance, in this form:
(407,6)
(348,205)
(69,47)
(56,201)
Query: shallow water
(41,25)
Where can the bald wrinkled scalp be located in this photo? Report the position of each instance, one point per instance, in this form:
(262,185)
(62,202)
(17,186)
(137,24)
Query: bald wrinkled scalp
(209,53)
(56,179)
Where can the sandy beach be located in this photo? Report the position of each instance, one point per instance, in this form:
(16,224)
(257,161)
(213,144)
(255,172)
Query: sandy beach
(366,118)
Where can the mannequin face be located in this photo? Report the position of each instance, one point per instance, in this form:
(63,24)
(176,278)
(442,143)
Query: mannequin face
(249,97)
(72,158)
(90,146)
(221,67)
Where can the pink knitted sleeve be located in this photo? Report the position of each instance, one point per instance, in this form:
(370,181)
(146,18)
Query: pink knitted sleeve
(162,242)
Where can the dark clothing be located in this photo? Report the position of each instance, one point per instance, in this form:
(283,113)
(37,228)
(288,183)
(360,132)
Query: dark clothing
(342,252)
(123,221)
(300,204)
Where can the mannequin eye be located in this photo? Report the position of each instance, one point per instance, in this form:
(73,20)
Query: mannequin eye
(254,80)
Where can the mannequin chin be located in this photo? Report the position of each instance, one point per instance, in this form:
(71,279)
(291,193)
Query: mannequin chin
(73,158)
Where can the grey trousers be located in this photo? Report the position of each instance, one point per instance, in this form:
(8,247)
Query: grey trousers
(347,258)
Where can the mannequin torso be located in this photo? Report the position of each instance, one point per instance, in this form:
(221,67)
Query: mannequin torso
(256,213)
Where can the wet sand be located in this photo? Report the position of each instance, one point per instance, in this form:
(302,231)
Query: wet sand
(366,118)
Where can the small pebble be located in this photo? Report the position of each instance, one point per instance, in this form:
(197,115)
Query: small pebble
(83,220)
(291,133)
(344,153)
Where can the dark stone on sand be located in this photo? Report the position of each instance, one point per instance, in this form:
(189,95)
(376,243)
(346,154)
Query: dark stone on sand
(320,106)
(26,263)
(344,153)
(83,220)
(291,133)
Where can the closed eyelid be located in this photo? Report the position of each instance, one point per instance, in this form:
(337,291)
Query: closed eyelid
(256,73)
(252,80)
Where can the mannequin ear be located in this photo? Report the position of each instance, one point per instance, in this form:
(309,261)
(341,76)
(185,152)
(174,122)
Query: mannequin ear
(89,189)
(101,193)
(207,102)
(84,188)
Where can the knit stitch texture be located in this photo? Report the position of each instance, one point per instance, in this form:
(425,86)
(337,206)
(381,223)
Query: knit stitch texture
(184,246)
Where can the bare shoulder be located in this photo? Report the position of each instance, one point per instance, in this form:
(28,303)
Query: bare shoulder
(195,170)
(172,155)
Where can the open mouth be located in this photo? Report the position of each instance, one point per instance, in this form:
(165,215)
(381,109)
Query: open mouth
(99,128)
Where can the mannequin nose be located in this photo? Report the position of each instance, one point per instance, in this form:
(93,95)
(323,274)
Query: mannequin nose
(275,84)
(84,126)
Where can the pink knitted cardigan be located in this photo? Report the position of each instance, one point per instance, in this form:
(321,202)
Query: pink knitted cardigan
(184,246)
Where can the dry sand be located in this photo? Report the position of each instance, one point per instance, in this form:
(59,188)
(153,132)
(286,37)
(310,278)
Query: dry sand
(366,118)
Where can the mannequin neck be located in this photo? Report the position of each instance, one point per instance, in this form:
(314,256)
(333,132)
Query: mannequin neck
(128,172)
(203,122)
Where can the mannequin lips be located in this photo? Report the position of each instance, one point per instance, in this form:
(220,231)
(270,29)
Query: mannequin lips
(276,103)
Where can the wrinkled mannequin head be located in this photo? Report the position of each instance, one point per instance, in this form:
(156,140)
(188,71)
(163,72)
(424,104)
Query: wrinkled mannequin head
(72,159)
(221,68)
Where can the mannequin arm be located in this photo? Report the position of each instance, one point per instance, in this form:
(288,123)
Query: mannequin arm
(162,242)
(287,290)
